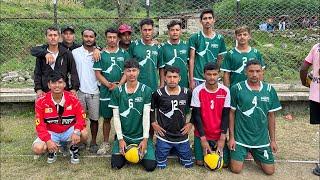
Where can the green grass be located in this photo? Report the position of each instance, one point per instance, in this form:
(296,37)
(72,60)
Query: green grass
(297,140)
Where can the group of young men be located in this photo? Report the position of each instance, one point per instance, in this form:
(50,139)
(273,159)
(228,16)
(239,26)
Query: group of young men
(121,81)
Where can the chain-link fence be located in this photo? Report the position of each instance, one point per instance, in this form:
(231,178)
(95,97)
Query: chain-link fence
(283,30)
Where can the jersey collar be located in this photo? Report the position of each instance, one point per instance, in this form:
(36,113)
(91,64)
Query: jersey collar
(111,52)
(125,87)
(214,35)
(209,91)
(242,52)
(146,44)
(247,85)
(165,89)
(61,103)
(173,44)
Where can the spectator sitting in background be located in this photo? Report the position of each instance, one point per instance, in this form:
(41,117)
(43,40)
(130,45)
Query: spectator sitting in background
(270,26)
(282,23)
(267,26)
(313,22)
(305,22)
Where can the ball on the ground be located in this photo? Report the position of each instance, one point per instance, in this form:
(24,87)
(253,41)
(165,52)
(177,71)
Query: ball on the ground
(213,161)
(132,153)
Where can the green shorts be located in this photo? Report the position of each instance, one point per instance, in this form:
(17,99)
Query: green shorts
(198,152)
(150,155)
(263,154)
(105,110)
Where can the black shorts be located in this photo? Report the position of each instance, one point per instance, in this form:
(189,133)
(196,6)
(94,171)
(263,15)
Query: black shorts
(314,112)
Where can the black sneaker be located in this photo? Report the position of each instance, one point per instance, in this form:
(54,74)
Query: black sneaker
(52,157)
(74,153)
(316,170)
(82,146)
(93,148)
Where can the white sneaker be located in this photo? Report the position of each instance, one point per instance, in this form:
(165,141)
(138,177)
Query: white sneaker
(104,148)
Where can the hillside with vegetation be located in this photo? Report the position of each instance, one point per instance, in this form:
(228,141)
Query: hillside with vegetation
(22,26)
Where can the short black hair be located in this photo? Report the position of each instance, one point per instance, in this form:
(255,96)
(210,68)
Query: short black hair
(172,69)
(147,21)
(173,23)
(52,28)
(54,76)
(211,66)
(206,11)
(131,63)
(111,30)
(89,29)
(253,62)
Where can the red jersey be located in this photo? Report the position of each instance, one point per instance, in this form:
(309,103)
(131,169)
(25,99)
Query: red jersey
(211,105)
(48,119)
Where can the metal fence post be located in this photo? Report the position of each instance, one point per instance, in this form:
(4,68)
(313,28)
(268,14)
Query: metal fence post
(148,8)
(55,18)
(238,13)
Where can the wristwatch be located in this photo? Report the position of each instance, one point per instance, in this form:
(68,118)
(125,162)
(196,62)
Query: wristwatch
(77,132)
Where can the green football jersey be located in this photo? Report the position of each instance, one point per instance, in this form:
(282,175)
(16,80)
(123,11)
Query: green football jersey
(175,55)
(147,56)
(111,65)
(207,50)
(235,62)
(251,113)
(131,109)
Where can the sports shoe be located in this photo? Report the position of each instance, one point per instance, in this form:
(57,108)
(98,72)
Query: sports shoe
(316,170)
(104,148)
(74,154)
(82,146)
(93,148)
(52,157)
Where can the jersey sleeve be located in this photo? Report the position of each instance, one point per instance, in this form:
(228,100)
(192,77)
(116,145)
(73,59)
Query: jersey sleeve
(274,102)
(192,41)
(147,95)
(195,101)
(222,49)
(114,101)
(188,51)
(97,66)
(234,97)
(157,60)
(227,101)
(41,127)
(226,63)
(155,100)
(160,57)
(189,95)
(311,55)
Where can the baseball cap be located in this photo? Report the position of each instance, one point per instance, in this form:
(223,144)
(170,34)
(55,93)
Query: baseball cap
(70,28)
(124,28)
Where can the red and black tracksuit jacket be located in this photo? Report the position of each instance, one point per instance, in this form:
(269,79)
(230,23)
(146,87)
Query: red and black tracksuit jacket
(48,119)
